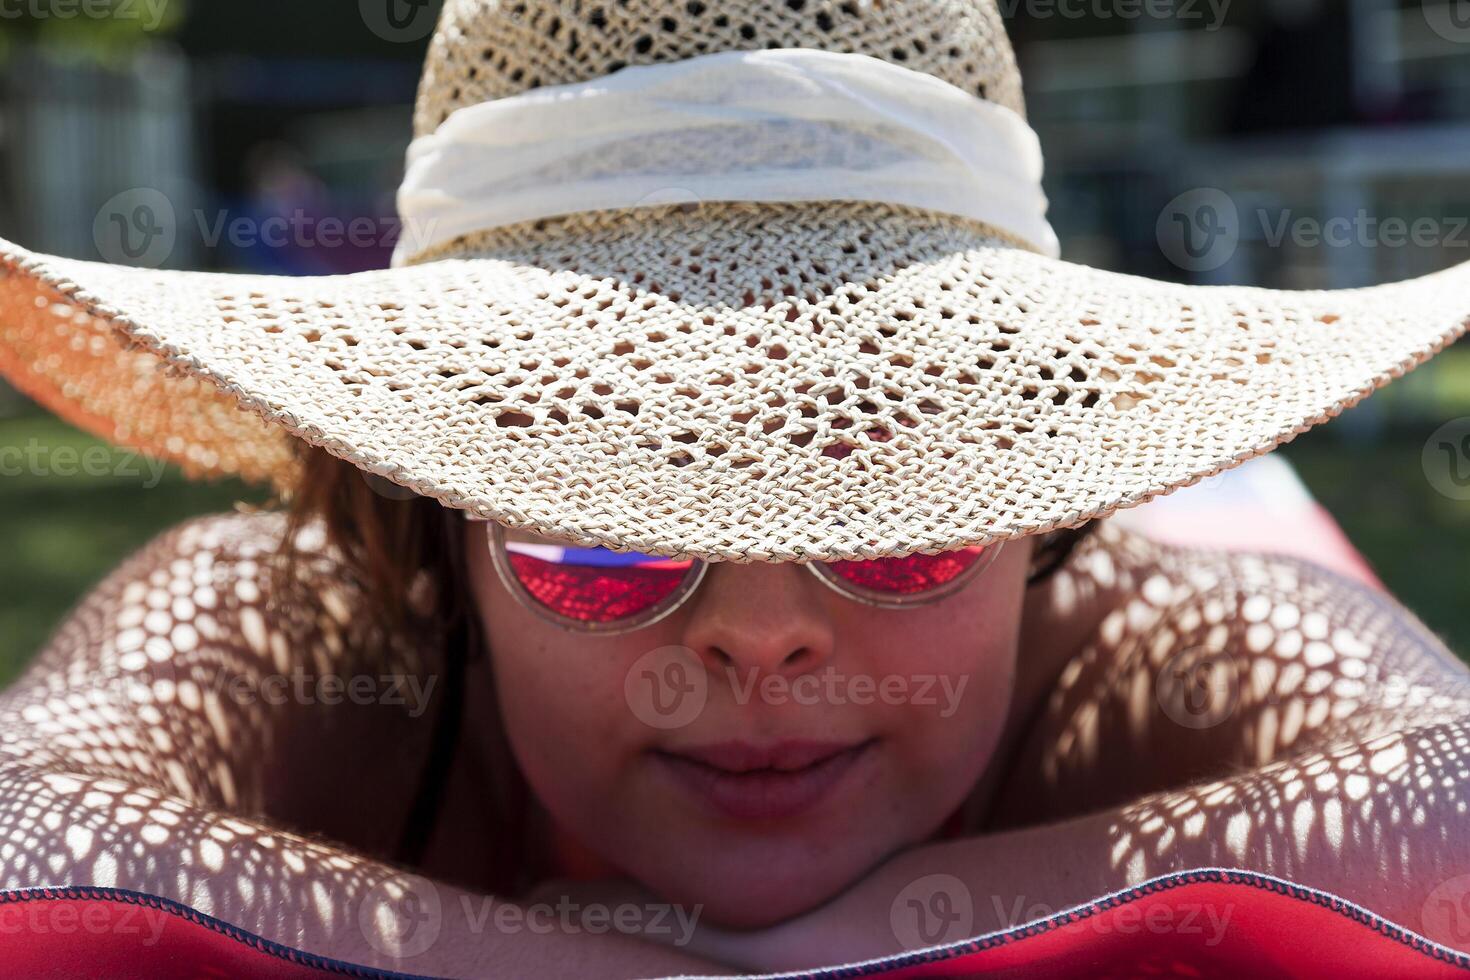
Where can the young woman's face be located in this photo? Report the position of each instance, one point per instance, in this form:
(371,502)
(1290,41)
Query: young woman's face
(767,743)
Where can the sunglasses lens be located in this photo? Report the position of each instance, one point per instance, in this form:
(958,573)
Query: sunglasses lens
(912,578)
(594,586)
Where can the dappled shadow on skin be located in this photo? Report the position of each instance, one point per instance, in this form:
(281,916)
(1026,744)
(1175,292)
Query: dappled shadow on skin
(1208,663)
(1259,713)
(66,829)
(1236,710)
(1384,798)
(175,734)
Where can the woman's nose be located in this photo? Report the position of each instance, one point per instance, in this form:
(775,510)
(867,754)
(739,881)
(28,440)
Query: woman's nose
(763,617)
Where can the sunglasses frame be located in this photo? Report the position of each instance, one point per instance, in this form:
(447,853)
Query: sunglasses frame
(500,557)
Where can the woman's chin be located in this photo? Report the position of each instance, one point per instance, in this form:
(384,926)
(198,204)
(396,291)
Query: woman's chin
(754,894)
(745,910)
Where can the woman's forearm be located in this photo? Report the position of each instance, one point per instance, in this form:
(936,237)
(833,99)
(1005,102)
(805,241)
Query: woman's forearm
(69,829)
(1383,823)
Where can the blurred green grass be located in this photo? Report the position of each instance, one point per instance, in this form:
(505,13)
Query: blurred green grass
(1416,539)
(63,533)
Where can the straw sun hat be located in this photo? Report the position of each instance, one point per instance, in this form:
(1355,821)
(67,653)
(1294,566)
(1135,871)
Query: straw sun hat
(734,279)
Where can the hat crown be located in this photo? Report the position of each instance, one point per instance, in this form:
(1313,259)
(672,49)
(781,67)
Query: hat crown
(492,49)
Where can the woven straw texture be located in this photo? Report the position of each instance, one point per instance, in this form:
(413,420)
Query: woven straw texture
(90,373)
(776,382)
(488,49)
(730,381)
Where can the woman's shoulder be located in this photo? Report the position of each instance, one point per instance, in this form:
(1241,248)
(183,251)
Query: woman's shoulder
(224,586)
(255,669)
(1200,660)
(1163,580)
(1251,608)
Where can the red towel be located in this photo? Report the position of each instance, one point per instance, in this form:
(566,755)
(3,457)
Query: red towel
(1196,924)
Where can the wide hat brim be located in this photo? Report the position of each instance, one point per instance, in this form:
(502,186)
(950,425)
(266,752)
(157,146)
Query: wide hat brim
(725,381)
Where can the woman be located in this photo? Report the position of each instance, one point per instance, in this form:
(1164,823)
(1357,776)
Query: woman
(706,522)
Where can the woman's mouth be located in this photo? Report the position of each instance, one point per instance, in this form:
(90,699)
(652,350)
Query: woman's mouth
(777,781)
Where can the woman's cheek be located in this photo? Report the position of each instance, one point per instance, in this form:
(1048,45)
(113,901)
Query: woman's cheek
(955,664)
(565,711)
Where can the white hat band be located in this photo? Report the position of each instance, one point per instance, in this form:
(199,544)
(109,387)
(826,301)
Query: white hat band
(779,125)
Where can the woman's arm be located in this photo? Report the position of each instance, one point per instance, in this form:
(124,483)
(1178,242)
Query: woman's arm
(146,747)
(1208,664)
(1382,822)
(66,829)
(1234,711)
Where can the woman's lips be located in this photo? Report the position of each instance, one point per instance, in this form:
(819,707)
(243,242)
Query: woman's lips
(753,782)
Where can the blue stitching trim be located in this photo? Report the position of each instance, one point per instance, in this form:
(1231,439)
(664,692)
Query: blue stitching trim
(1177,879)
(129,897)
(1080,913)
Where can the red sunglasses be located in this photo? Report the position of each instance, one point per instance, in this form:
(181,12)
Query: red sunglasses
(598,590)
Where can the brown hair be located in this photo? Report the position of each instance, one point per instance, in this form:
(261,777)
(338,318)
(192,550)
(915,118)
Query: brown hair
(406,554)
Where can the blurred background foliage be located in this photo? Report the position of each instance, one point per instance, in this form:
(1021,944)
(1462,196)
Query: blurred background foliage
(1305,108)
